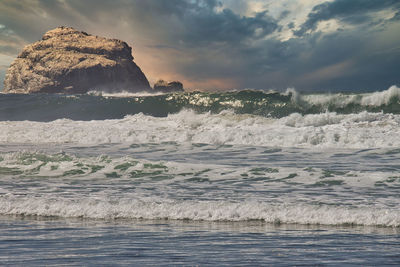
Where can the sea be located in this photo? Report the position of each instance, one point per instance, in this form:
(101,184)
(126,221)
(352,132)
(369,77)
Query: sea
(237,178)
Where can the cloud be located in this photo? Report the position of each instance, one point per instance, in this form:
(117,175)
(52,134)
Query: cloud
(191,22)
(226,26)
(210,44)
(2,75)
(189,27)
(10,43)
(351,12)
(396,17)
(5,62)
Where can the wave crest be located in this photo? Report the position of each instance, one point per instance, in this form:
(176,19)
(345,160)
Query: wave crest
(266,104)
(199,211)
(362,130)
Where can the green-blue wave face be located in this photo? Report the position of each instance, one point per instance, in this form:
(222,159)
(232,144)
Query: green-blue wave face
(260,103)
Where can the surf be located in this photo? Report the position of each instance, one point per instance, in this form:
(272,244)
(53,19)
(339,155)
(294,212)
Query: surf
(102,106)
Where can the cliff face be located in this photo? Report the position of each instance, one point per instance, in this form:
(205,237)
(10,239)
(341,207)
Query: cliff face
(71,61)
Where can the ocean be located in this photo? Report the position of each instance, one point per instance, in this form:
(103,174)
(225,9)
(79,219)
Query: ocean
(256,178)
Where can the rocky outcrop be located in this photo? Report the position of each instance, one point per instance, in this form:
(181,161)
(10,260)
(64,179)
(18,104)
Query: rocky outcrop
(168,87)
(71,61)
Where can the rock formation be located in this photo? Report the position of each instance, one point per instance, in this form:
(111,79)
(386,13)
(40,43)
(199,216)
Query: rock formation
(71,61)
(165,87)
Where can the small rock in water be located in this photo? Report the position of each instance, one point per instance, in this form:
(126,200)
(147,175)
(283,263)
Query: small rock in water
(168,87)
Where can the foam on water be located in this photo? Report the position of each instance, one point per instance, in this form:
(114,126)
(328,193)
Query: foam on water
(61,185)
(124,94)
(219,164)
(361,130)
(101,106)
(375,99)
(116,208)
(61,165)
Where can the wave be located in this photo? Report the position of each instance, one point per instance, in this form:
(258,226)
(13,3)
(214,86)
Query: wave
(341,101)
(100,106)
(62,185)
(96,208)
(22,165)
(124,94)
(326,130)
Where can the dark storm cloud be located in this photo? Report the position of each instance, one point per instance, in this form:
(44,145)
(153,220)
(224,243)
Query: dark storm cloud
(29,19)
(203,41)
(352,12)
(193,22)
(226,27)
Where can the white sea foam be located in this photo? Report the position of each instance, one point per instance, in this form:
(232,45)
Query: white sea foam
(26,164)
(375,99)
(199,210)
(35,184)
(380,98)
(362,130)
(124,94)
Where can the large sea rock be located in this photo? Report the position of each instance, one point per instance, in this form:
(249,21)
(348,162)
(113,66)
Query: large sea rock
(71,61)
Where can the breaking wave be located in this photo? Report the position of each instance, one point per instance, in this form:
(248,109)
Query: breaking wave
(105,188)
(98,106)
(329,129)
(195,210)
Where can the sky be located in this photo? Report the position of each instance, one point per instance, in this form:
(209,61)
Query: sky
(309,45)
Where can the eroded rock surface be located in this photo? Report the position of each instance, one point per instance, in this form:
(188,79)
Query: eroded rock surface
(70,61)
(168,87)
